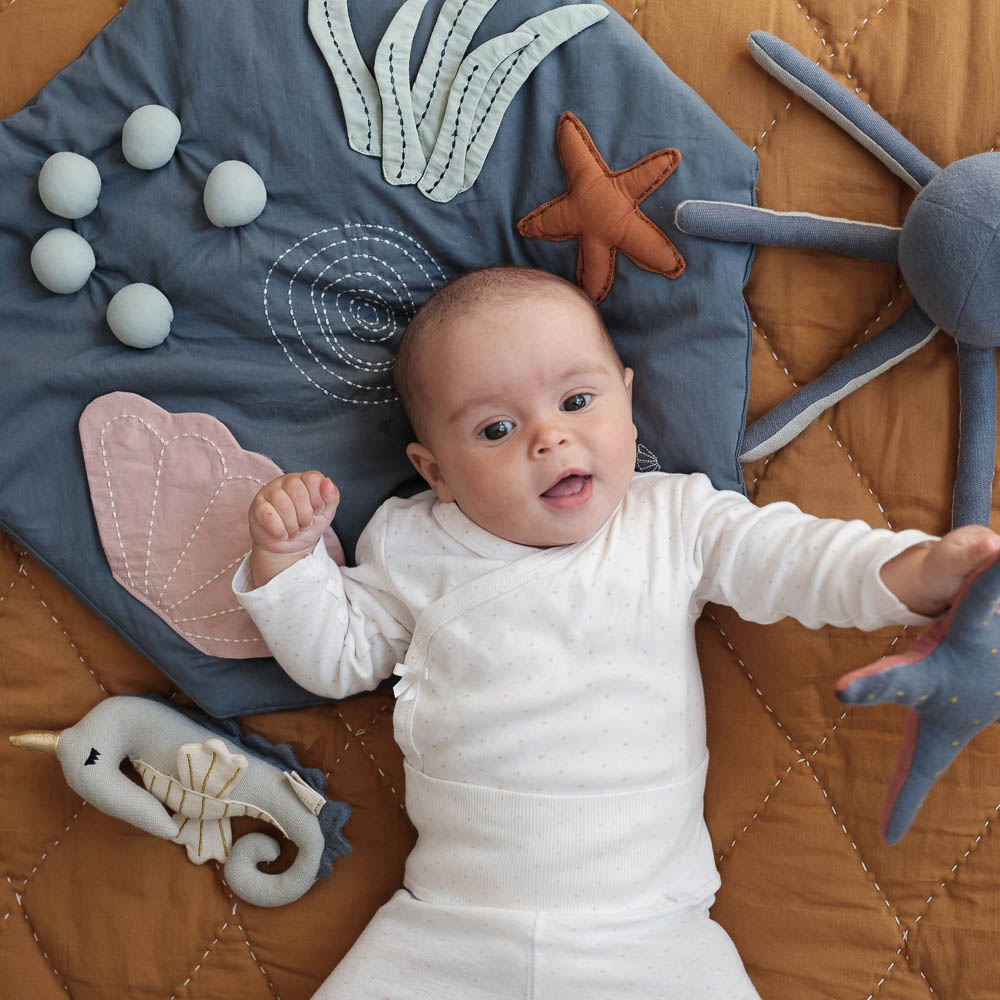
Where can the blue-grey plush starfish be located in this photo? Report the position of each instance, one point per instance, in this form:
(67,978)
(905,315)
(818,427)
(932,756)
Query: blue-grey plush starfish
(950,678)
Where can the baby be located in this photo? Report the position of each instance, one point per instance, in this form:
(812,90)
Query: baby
(538,605)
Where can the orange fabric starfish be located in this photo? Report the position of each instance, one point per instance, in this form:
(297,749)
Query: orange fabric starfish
(601,210)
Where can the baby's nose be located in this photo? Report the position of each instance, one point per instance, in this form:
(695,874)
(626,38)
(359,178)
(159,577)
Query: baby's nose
(548,437)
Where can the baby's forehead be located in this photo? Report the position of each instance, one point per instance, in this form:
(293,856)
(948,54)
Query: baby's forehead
(502,323)
(505,310)
(491,335)
(501,358)
(507,300)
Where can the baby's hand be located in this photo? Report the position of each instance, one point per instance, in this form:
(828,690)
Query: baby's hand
(928,577)
(290,513)
(288,517)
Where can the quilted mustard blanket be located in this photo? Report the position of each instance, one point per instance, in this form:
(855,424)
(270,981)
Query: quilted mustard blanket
(817,903)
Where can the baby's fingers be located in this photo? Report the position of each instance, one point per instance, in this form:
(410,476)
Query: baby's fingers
(323,495)
(297,489)
(266,523)
(290,512)
(286,508)
(965,549)
(330,497)
(987,546)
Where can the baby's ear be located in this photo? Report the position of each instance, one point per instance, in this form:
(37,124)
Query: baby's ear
(425,464)
(627,377)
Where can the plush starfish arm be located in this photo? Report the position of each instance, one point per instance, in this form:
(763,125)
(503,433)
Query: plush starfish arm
(735,223)
(927,747)
(977,381)
(877,354)
(950,678)
(845,109)
(931,739)
(926,753)
(595,266)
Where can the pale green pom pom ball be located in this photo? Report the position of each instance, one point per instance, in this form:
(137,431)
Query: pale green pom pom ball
(69,185)
(234,194)
(62,261)
(150,136)
(140,315)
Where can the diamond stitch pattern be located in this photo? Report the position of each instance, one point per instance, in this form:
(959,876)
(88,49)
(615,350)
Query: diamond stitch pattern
(809,920)
(228,960)
(27,970)
(944,931)
(157,948)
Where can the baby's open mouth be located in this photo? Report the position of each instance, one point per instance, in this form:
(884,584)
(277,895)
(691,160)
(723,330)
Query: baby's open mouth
(567,486)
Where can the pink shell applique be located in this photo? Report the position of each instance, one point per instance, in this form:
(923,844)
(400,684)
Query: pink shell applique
(170,492)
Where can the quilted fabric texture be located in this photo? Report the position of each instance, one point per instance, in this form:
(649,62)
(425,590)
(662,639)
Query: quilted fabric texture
(818,905)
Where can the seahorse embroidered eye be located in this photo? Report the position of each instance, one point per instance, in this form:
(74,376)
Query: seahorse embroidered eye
(92,757)
(497,430)
(577,401)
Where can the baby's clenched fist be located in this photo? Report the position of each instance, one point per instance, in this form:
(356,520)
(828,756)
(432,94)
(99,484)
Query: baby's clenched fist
(287,518)
(291,512)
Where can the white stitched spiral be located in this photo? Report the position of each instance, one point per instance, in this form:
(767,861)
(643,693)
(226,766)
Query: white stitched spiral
(338,300)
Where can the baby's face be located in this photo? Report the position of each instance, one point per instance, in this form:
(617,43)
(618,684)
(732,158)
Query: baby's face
(527,419)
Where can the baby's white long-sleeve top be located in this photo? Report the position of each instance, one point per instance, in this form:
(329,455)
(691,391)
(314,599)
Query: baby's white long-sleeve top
(568,669)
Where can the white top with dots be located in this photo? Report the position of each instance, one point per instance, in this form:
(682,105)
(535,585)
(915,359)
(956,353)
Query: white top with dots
(537,669)
(548,682)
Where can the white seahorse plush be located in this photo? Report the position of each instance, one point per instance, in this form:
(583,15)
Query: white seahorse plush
(204,772)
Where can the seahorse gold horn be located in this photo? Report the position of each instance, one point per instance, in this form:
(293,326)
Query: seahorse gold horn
(36,739)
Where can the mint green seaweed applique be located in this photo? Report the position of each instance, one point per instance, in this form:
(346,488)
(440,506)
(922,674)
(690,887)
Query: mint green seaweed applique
(330,25)
(548,33)
(449,41)
(403,158)
(437,133)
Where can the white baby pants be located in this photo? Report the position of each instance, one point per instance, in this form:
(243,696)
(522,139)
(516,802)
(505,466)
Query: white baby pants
(515,896)
(414,950)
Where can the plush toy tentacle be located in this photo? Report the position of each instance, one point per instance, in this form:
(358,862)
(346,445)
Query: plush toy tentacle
(877,354)
(845,109)
(903,680)
(977,435)
(736,223)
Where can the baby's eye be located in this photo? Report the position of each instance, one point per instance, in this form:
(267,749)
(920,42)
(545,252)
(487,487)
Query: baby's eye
(497,430)
(577,401)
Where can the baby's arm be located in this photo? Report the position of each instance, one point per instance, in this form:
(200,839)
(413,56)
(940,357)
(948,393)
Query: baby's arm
(776,561)
(927,577)
(288,517)
(335,631)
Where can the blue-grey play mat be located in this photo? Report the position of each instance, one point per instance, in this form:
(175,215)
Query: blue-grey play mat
(284,329)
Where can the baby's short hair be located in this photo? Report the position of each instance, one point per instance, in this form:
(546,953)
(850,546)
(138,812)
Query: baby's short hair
(448,303)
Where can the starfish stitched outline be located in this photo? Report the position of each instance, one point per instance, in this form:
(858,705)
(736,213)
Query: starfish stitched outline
(601,209)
